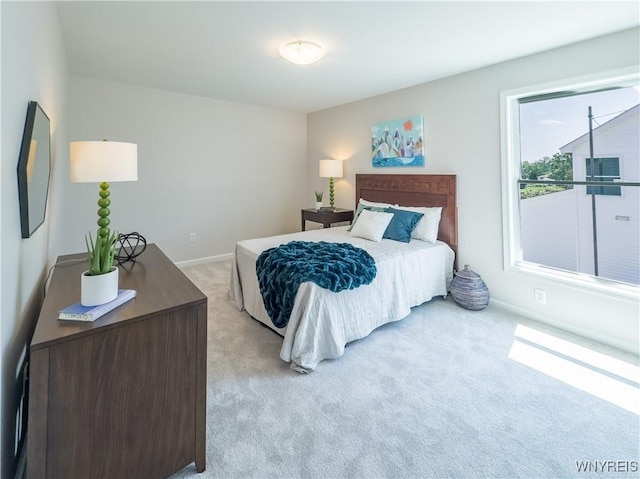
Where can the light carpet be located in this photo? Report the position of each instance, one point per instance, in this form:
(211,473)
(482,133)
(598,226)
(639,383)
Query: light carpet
(435,395)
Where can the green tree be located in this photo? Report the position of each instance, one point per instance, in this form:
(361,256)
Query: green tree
(558,167)
(561,167)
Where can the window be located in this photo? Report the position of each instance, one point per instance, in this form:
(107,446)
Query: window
(560,220)
(604,169)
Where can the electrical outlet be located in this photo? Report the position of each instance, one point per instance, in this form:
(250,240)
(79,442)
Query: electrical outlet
(192,237)
(540,296)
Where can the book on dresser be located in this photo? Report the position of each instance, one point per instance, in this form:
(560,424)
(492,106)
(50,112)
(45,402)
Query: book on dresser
(78,312)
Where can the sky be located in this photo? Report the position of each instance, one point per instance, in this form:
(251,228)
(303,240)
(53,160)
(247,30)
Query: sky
(547,125)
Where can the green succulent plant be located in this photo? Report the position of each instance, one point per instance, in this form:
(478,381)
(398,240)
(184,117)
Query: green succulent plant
(319,195)
(101,253)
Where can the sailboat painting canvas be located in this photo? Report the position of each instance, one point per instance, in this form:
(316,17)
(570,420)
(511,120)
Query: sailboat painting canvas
(397,143)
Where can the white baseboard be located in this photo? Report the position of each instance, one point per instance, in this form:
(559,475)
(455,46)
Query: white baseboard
(208,259)
(626,346)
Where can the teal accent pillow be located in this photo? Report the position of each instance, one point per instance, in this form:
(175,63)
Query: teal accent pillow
(364,207)
(402,225)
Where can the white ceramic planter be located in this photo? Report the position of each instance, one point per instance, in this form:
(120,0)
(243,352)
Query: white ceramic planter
(318,205)
(100,289)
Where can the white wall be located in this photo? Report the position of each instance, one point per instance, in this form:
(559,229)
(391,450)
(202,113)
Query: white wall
(225,171)
(34,67)
(462,136)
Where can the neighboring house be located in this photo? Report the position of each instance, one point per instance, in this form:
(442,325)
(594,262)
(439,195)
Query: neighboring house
(566,240)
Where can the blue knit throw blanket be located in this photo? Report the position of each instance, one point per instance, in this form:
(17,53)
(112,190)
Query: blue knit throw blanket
(333,266)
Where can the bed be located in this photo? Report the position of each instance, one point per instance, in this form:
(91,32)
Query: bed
(322,322)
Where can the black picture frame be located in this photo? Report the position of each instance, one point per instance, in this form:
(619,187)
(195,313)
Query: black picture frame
(34,169)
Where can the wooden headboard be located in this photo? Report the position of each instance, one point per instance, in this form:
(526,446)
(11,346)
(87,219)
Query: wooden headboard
(416,190)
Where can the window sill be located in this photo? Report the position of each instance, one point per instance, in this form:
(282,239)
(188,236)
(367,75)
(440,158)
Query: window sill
(580,281)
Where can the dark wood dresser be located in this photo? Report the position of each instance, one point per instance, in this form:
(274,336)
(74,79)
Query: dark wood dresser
(125,395)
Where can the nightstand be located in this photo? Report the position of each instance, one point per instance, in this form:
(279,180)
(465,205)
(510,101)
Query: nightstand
(327,218)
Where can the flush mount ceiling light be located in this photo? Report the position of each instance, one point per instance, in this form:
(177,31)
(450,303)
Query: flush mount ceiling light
(301,52)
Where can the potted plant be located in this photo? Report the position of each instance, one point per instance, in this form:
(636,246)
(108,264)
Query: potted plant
(319,199)
(99,284)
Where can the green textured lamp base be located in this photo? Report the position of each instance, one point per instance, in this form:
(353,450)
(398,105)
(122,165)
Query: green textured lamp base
(331,195)
(103,212)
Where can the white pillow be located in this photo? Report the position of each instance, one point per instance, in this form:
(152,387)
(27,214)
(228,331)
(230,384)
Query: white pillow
(373,203)
(427,228)
(369,204)
(371,225)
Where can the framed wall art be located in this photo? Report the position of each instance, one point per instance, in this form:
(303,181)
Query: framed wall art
(397,143)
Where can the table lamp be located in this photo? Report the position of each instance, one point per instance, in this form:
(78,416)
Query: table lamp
(331,169)
(103,162)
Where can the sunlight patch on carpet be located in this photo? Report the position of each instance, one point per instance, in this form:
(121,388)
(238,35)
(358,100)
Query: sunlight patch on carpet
(578,366)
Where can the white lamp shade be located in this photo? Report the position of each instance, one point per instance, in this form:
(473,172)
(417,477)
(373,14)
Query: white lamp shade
(103,161)
(330,168)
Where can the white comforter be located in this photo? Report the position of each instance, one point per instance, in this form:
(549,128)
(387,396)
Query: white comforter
(323,322)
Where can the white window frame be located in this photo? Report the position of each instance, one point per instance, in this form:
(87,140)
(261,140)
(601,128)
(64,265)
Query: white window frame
(510,158)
